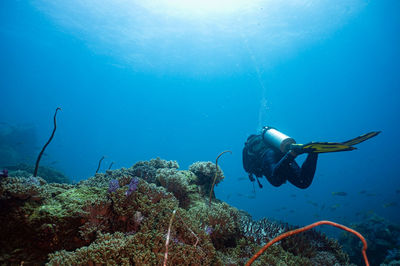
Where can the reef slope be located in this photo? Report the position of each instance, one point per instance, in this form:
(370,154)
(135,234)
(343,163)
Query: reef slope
(122,217)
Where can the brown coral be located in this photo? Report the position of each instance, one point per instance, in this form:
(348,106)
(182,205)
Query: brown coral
(86,224)
(180,183)
(205,172)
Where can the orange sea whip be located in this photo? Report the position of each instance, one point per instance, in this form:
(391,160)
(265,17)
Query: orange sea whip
(216,173)
(45,145)
(308,227)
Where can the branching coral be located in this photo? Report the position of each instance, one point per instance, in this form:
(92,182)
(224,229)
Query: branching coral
(147,169)
(382,234)
(49,174)
(206,174)
(99,223)
(110,249)
(223,220)
(180,183)
(261,231)
(306,228)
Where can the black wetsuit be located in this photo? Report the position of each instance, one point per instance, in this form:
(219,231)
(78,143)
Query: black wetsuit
(261,159)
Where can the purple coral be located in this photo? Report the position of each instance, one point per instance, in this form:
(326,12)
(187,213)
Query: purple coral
(132,186)
(209,230)
(4,173)
(113,186)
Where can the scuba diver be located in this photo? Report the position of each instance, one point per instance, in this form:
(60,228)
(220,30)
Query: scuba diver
(272,154)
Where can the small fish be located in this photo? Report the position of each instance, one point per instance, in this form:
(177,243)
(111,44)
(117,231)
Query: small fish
(370,212)
(312,203)
(334,207)
(370,194)
(340,218)
(54,162)
(390,204)
(362,192)
(397,191)
(293,195)
(291,211)
(323,207)
(251,196)
(339,193)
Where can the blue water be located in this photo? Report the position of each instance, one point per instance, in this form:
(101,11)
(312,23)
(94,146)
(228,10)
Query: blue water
(136,81)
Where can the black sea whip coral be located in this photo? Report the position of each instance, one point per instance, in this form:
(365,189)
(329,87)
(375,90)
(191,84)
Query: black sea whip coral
(98,167)
(216,174)
(45,145)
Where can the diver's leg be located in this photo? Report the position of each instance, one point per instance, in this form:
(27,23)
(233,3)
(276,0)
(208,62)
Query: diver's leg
(303,177)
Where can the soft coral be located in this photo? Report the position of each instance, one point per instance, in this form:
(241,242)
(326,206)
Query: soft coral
(4,173)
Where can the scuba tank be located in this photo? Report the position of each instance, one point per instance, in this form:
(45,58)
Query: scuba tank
(285,143)
(277,139)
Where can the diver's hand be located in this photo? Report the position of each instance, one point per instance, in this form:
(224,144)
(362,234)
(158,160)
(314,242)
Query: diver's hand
(293,153)
(296,149)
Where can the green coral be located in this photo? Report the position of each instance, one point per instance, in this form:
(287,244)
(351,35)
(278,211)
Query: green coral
(205,172)
(22,188)
(110,249)
(223,221)
(84,224)
(181,183)
(275,255)
(69,202)
(49,174)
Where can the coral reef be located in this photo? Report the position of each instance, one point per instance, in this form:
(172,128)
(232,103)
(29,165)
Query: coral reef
(383,241)
(122,217)
(49,174)
(263,230)
(181,183)
(205,172)
(4,173)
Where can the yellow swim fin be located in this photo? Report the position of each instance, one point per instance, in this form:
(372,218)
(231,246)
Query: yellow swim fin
(361,138)
(323,147)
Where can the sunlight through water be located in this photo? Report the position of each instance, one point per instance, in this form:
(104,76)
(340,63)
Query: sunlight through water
(199,37)
(200,8)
